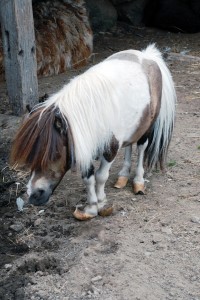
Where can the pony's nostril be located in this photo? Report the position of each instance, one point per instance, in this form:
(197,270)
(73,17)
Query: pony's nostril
(34,196)
(40,192)
(39,197)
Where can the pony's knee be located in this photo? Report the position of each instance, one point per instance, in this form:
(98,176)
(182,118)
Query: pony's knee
(101,176)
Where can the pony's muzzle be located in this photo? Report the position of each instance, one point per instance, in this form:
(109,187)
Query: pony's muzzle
(39,197)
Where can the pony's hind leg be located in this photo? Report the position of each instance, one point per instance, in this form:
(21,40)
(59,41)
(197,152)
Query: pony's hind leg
(138,181)
(124,174)
(102,174)
(90,210)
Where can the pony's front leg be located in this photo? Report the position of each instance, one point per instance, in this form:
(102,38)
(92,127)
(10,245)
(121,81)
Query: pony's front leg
(90,210)
(124,174)
(102,175)
(138,181)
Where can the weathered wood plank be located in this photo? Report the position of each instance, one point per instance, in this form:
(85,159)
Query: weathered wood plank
(19,53)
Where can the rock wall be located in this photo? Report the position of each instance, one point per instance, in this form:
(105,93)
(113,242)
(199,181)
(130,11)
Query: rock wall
(63,35)
(173,15)
(104,14)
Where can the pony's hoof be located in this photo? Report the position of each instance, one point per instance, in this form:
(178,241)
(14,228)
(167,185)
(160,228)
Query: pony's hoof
(106,211)
(82,215)
(138,188)
(121,182)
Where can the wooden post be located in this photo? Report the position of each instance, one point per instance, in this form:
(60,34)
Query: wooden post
(19,53)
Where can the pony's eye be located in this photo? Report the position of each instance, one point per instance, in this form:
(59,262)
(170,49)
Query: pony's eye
(58,124)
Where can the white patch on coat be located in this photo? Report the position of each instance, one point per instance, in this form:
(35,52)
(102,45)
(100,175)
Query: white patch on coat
(41,183)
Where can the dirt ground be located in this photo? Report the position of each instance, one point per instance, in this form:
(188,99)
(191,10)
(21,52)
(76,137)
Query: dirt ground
(149,249)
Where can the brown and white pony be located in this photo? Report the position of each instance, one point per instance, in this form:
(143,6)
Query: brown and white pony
(128,98)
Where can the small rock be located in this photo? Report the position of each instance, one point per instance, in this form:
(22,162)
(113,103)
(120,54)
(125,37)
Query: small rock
(38,222)
(96,278)
(156,238)
(8,215)
(195,219)
(8,266)
(39,273)
(166,230)
(161,246)
(95,291)
(16,227)
(147,230)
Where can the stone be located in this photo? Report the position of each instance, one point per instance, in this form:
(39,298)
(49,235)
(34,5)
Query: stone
(38,221)
(96,278)
(166,230)
(132,12)
(195,219)
(102,15)
(17,227)
(8,267)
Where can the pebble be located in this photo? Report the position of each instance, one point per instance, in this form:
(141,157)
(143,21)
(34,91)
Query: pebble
(16,227)
(156,238)
(39,273)
(8,215)
(95,290)
(96,278)
(166,230)
(8,266)
(38,222)
(161,246)
(147,253)
(195,219)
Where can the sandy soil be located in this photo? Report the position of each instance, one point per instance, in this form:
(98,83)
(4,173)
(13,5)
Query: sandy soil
(150,247)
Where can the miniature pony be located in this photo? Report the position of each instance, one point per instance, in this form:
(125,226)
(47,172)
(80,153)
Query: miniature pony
(128,98)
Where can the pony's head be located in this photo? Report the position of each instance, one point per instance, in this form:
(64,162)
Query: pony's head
(44,144)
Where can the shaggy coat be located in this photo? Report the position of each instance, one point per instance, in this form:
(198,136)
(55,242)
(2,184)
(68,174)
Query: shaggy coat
(63,36)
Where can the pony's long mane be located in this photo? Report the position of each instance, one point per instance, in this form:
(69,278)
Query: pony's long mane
(87,104)
(37,142)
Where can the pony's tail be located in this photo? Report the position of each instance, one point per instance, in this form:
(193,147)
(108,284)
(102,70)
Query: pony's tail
(161,132)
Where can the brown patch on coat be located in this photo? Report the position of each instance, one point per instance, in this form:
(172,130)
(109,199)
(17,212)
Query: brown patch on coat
(112,150)
(154,77)
(39,142)
(151,112)
(125,56)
